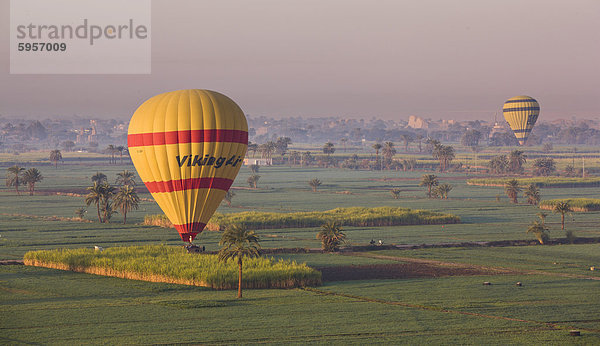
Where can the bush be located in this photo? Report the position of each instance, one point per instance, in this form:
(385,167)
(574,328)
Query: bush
(354,216)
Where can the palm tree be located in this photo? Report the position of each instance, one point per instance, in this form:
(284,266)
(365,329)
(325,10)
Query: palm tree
(395,192)
(328,148)
(562,208)
(443,190)
(110,150)
(55,156)
(498,164)
(445,154)
(331,236)
(516,160)
(533,194)
(406,139)
(377,147)
(120,150)
(431,144)
(294,156)
(542,217)
(238,242)
(539,229)
(512,190)
(126,199)
(419,139)
(282,144)
(570,171)
(99,178)
(125,178)
(344,141)
(13,177)
(95,196)
(388,151)
(107,193)
(430,181)
(314,184)
(80,212)
(253,180)
(31,177)
(267,150)
(228,197)
(253,147)
(306,158)
(544,166)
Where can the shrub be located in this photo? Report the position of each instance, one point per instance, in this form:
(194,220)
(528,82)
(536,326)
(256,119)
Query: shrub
(576,204)
(354,216)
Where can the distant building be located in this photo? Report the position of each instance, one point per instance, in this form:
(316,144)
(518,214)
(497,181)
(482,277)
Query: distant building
(417,123)
(255,161)
(87,135)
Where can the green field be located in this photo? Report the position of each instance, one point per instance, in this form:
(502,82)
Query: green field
(559,291)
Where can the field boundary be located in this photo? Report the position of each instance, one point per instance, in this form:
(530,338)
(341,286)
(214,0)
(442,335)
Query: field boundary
(410,270)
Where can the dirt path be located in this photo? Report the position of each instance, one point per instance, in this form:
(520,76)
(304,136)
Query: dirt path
(465,266)
(397,271)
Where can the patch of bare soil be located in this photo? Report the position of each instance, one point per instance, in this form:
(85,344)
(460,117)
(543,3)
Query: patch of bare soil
(416,179)
(398,271)
(73,192)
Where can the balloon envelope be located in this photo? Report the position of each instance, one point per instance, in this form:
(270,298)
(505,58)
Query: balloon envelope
(188,147)
(521,113)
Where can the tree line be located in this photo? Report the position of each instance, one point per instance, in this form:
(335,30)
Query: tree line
(278,151)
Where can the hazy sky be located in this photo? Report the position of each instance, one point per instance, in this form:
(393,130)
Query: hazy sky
(455,59)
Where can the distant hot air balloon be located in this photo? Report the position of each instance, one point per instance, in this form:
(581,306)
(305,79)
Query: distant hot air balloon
(188,147)
(521,113)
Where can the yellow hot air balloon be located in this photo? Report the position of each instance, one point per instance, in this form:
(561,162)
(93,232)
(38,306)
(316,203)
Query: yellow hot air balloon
(521,113)
(188,147)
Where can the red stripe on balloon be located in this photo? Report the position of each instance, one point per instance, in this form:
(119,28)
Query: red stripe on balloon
(189,184)
(189,230)
(187,136)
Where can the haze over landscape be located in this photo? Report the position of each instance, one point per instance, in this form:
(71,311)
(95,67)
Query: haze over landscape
(410,172)
(388,59)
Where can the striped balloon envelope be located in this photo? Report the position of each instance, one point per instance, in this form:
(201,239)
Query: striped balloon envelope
(521,113)
(188,147)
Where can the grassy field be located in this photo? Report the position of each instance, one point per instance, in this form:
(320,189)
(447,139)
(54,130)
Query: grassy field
(284,189)
(39,305)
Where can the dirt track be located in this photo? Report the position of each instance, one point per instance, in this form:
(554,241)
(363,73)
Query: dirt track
(409,267)
(400,271)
